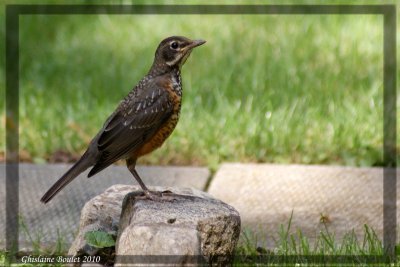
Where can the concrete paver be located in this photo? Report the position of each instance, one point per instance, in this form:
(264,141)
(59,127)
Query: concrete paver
(62,213)
(266,194)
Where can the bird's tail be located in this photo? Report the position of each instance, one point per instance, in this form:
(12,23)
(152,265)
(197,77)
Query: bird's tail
(80,166)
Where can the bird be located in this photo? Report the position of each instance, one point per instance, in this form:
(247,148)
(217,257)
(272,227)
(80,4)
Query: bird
(142,121)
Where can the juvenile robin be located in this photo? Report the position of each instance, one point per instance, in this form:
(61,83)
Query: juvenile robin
(143,120)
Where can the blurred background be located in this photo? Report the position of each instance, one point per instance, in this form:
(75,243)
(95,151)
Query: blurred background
(265,88)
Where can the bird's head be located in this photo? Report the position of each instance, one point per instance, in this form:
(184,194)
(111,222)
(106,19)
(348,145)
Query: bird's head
(174,51)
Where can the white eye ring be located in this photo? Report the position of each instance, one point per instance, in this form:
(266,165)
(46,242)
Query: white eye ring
(174,45)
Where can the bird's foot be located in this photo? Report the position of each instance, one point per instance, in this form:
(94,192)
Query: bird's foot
(163,196)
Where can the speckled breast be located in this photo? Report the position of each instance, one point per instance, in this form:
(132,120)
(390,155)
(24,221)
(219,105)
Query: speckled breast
(175,93)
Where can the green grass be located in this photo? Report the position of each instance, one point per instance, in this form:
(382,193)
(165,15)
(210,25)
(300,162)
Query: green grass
(34,240)
(299,249)
(276,88)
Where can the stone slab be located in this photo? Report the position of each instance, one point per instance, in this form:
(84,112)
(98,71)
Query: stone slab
(266,194)
(61,215)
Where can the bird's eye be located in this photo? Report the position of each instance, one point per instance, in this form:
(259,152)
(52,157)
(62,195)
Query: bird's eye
(174,45)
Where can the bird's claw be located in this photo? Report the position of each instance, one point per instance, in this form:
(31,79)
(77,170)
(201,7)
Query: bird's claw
(163,196)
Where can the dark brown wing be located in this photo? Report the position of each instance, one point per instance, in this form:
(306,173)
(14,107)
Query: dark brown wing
(136,120)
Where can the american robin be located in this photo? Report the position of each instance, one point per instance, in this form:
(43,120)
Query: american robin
(142,121)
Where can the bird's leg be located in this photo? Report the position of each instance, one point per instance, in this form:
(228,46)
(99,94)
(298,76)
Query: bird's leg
(148,194)
(139,180)
(153,195)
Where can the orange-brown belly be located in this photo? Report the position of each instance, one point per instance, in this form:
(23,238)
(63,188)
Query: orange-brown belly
(158,139)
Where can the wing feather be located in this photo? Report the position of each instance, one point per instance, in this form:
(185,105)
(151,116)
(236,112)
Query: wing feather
(135,121)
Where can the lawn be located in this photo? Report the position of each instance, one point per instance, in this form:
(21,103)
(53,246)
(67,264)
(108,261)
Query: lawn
(265,88)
